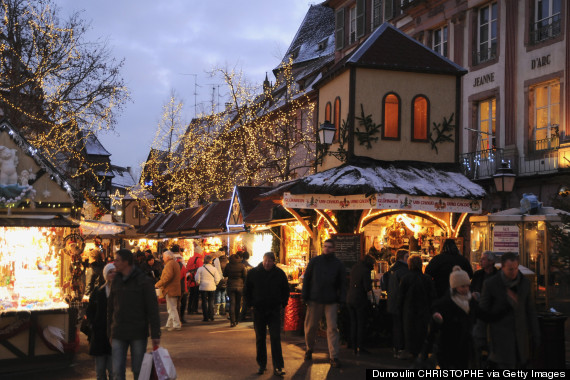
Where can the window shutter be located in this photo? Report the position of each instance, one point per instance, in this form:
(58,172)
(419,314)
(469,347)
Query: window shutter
(339,30)
(360,19)
(389,13)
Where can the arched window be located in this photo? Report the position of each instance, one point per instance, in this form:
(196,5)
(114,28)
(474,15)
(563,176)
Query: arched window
(336,121)
(420,118)
(328,112)
(391,117)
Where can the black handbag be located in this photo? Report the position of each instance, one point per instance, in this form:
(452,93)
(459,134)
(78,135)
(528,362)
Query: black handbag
(85,327)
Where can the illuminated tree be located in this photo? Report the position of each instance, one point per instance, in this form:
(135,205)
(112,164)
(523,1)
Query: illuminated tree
(57,88)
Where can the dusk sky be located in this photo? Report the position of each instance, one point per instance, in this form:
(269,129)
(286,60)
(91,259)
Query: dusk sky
(163,42)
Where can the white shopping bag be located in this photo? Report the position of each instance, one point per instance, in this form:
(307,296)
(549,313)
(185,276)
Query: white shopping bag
(163,364)
(146,368)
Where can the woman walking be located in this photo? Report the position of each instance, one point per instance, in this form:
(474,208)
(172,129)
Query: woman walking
(357,300)
(207,277)
(236,273)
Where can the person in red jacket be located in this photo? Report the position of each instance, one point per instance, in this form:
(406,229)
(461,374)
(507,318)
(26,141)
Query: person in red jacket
(192,266)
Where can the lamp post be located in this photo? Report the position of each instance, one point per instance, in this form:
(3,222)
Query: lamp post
(504,182)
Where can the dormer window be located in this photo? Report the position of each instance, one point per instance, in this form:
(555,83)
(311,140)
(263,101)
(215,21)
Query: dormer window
(323,43)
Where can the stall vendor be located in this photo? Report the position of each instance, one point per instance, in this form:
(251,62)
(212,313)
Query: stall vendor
(378,252)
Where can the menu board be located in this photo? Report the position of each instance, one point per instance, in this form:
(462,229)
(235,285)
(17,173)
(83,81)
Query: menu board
(506,238)
(348,248)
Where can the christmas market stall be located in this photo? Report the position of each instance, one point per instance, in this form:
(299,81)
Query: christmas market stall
(527,233)
(40,259)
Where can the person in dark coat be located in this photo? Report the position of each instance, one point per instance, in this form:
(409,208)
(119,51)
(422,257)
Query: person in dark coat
(456,313)
(236,274)
(96,314)
(267,291)
(516,331)
(439,268)
(152,269)
(417,293)
(94,273)
(487,271)
(357,299)
(391,284)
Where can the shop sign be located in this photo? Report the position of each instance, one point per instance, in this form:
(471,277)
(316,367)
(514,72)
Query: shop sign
(381,201)
(505,238)
(419,203)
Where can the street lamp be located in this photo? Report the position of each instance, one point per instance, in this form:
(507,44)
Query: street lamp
(326,133)
(504,182)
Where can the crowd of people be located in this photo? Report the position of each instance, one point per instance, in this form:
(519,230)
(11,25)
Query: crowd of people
(445,314)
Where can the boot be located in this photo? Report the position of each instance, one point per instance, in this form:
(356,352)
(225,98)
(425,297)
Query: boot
(217,309)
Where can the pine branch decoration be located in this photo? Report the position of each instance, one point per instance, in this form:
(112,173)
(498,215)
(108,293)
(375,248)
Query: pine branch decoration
(443,132)
(370,129)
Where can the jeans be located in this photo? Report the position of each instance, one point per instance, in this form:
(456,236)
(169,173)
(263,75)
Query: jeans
(182,308)
(207,304)
(119,354)
(357,322)
(263,318)
(193,296)
(235,303)
(314,314)
(221,296)
(173,317)
(397,332)
(104,367)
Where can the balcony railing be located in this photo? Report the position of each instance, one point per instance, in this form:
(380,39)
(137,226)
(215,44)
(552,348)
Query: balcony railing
(484,55)
(547,144)
(545,29)
(481,164)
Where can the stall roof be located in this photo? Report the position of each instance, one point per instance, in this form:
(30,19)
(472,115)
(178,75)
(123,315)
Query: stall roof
(152,224)
(189,224)
(515,215)
(36,220)
(363,175)
(263,213)
(214,218)
(99,227)
(174,224)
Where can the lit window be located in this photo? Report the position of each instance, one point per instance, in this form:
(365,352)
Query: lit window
(420,118)
(328,112)
(487,132)
(336,117)
(546,111)
(391,130)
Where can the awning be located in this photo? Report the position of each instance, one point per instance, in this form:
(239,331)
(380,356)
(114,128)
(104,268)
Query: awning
(36,220)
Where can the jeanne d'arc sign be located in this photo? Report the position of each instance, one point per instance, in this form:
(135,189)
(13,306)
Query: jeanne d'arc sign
(382,202)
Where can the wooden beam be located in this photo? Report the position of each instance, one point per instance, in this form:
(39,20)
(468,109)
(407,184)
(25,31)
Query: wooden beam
(302,221)
(459,224)
(328,219)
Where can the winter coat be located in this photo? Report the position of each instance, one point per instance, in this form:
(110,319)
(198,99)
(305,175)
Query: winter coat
(207,277)
(479,278)
(455,345)
(325,280)
(391,283)
(192,266)
(97,316)
(236,273)
(359,285)
(152,272)
(170,280)
(513,332)
(183,271)
(94,277)
(415,297)
(220,263)
(440,268)
(132,306)
(266,289)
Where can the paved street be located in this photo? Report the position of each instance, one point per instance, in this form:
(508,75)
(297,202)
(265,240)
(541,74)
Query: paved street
(216,351)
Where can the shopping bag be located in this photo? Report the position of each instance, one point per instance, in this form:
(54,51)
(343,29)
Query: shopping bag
(163,364)
(147,367)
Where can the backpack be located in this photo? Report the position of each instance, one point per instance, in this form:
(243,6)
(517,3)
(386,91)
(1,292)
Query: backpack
(191,274)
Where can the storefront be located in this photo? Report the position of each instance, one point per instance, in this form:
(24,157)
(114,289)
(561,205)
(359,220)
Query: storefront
(40,253)
(528,235)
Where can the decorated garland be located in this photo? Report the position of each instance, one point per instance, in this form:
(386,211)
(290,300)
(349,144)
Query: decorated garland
(13,329)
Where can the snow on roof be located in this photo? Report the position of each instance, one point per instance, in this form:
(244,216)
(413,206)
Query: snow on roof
(315,37)
(139,193)
(123,177)
(366,176)
(94,147)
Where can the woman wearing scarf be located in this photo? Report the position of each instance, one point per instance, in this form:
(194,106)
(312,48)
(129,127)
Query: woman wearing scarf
(97,316)
(456,313)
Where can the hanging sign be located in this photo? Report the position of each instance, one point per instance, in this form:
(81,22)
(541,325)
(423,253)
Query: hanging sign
(382,202)
(505,238)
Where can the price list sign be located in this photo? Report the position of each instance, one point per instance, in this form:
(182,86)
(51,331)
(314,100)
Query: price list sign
(348,248)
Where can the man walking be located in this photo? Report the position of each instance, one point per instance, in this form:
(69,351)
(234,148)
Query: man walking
(324,287)
(267,290)
(169,283)
(509,335)
(132,307)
